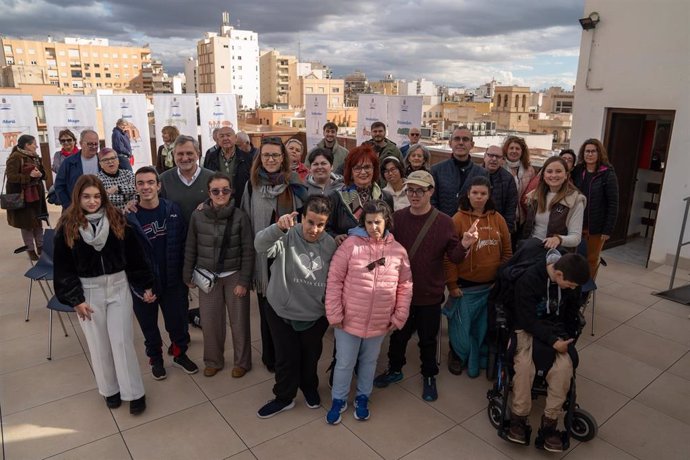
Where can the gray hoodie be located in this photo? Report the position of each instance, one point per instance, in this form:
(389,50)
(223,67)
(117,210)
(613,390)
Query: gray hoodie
(297,285)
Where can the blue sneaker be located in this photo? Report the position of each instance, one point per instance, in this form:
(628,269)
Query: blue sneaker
(362,407)
(388,377)
(333,416)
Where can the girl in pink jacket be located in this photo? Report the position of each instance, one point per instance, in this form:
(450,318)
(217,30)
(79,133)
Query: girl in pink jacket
(368,294)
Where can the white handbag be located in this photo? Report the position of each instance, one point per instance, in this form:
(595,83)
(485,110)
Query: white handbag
(204,279)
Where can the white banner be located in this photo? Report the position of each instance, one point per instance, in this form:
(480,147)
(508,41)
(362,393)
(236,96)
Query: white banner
(17,117)
(372,107)
(177,110)
(132,109)
(75,113)
(404,112)
(216,110)
(316,114)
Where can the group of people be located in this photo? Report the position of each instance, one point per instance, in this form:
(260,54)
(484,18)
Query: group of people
(366,241)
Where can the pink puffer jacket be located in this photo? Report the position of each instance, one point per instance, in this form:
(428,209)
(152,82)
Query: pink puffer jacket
(365,302)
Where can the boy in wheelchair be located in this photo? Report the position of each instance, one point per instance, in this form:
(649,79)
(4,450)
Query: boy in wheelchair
(546,323)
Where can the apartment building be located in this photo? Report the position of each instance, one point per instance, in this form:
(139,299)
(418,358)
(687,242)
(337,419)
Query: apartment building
(228,62)
(75,66)
(277,71)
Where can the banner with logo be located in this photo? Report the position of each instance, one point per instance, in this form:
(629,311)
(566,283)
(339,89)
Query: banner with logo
(404,112)
(17,117)
(372,107)
(216,110)
(132,109)
(75,113)
(177,110)
(316,114)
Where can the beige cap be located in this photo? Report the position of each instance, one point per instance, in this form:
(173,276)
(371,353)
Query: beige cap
(420,177)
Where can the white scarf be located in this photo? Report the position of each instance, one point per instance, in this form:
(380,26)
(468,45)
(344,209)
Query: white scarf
(96,232)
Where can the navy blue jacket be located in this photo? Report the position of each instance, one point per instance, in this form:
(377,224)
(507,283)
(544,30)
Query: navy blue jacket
(176,235)
(121,143)
(452,181)
(70,170)
(504,193)
(242,170)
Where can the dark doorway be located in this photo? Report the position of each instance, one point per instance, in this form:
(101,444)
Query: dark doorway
(637,143)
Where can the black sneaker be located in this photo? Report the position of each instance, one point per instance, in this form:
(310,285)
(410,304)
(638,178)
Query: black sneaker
(429,392)
(312,399)
(158,370)
(114,401)
(137,406)
(388,377)
(274,407)
(186,364)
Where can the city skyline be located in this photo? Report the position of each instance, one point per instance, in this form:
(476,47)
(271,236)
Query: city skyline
(455,44)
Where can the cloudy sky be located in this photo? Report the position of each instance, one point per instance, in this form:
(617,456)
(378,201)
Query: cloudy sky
(458,43)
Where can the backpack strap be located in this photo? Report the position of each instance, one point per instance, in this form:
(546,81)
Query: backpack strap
(422,233)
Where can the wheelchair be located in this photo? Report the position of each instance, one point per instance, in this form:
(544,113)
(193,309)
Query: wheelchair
(578,423)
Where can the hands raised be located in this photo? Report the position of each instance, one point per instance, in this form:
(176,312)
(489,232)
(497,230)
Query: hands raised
(287,221)
(471,236)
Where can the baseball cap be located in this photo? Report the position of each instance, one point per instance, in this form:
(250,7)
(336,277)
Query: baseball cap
(421,177)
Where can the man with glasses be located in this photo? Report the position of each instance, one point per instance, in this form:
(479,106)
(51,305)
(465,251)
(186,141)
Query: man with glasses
(161,230)
(230,160)
(83,162)
(330,143)
(186,183)
(428,236)
(452,176)
(413,135)
(503,189)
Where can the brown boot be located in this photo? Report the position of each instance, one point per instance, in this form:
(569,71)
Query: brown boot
(32,255)
(551,435)
(518,429)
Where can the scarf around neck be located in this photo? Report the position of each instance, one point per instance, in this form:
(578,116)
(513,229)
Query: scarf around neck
(96,233)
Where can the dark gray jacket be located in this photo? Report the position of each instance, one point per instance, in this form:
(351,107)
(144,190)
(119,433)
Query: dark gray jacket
(504,194)
(451,180)
(205,236)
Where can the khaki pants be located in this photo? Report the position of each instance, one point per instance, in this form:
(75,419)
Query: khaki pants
(212,308)
(558,379)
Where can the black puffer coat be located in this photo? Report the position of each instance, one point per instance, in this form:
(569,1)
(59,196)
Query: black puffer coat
(602,198)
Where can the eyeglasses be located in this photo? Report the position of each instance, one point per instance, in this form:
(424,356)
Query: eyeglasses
(272,156)
(218,191)
(92,144)
(108,160)
(415,134)
(66,141)
(362,168)
(390,170)
(272,140)
(381,262)
(416,191)
(494,156)
(462,139)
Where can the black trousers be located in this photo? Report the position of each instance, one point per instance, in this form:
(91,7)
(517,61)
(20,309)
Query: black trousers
(268,353)
(297,355)
(173,303)
(425,320)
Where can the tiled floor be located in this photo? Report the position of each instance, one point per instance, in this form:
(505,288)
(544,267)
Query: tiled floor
(634,378)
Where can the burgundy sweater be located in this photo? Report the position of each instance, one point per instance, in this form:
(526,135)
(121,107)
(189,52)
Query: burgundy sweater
(427,265)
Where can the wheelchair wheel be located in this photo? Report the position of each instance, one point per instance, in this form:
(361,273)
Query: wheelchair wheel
(584,427)
(495,412)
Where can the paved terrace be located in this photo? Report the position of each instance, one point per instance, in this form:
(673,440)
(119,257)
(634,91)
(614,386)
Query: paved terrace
(634,377)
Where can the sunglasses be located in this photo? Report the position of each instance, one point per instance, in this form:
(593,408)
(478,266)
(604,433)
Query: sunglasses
(381,262)
(66,141)
(414,134)
(218,191)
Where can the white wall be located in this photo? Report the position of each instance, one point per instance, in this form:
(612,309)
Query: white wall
(641,59)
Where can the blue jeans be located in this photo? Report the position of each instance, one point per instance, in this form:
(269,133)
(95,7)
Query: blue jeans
(350,349)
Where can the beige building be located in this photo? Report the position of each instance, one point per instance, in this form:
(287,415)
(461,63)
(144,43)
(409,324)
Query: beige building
(229,63)
(343,116)
(311,84)
(511,108)
(557,100)
(75,66)
(276,73)
(559,125)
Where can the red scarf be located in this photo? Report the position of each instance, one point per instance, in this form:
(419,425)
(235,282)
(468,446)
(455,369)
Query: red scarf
(66,154)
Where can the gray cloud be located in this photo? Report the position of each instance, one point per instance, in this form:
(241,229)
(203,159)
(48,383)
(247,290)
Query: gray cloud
(449,42)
